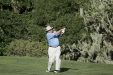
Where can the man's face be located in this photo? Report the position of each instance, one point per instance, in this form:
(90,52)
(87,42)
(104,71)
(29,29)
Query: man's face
(51,31)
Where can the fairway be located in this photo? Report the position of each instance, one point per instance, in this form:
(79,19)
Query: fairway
(37,66)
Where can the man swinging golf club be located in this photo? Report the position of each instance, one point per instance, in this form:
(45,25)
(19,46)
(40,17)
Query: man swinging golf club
(54,48)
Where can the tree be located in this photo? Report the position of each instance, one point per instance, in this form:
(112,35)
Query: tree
(98,24)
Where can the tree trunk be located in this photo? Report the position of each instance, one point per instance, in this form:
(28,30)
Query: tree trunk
(81,12)
(14,6)
(1,9)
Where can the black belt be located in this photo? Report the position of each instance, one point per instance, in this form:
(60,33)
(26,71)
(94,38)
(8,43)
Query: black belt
(53,47)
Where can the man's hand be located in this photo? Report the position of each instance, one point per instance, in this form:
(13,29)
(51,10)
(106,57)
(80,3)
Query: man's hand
(60,32)
(63,30)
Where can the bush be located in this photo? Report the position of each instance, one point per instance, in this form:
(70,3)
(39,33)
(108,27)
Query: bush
(26,48)
(2,49)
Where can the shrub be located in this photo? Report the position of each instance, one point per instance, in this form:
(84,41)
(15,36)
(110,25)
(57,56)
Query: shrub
(26,48)
(2,49)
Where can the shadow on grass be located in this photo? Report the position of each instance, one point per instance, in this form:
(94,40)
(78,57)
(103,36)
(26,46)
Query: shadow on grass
(64,69)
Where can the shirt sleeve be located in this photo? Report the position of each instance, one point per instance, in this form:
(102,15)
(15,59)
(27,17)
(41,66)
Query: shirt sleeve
(52,35)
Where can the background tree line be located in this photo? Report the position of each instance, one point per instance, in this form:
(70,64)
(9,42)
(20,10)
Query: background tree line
(89,28)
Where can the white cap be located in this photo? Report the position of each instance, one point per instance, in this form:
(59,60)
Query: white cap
(48,28)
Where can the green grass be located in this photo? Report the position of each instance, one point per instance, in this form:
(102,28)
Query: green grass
(37,66)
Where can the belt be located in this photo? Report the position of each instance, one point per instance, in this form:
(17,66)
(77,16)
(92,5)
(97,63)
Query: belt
(53,47)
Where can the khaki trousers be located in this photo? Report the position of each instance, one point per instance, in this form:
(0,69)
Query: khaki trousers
(54,56)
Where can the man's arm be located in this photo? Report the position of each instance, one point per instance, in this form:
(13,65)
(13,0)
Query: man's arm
(61,31)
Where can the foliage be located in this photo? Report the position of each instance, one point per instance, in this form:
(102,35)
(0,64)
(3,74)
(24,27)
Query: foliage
(89,26)
(26,19)
(98,23)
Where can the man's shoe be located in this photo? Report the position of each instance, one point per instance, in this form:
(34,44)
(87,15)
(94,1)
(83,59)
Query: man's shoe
(56,71)
(48,71)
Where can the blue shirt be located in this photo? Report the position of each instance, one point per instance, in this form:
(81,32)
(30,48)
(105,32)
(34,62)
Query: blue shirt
(53,39)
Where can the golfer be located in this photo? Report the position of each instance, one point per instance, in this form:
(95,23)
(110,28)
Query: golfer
(54,48)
